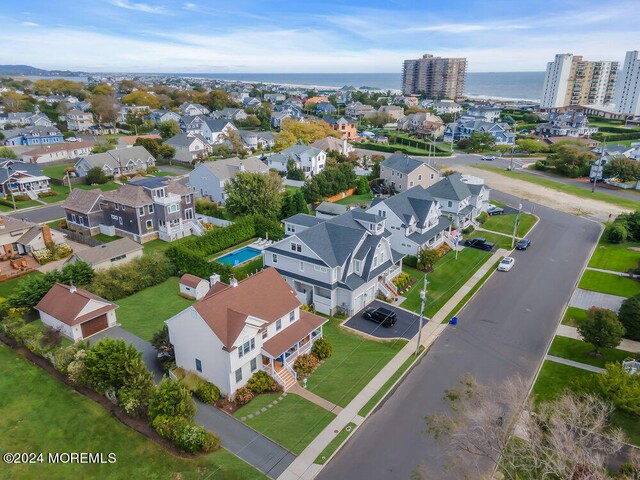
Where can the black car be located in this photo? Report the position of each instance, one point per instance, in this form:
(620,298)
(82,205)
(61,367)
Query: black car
(523,244)
(383,316)
(480,244)
(495,210)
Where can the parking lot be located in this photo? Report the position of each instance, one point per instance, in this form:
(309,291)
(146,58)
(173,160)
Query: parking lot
(405,327)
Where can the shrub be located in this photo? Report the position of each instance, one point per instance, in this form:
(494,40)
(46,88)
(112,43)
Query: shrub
(410,261)
(427,259)
(243,396)
(482,218)
(62,357)
(629,316)
(305,364)
(173,399)
(402,280)
(96,176)
(169,427)
(621,388)
(308,308)
(152,169)
(261,382)
(468,230)
(617,233)
(322,348)
(50,193)
(193,439)
(207,392)
(21,198)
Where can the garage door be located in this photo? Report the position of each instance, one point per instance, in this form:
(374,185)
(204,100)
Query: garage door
(94,325)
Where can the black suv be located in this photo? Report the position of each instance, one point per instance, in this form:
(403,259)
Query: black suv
(381,315)
(480,244)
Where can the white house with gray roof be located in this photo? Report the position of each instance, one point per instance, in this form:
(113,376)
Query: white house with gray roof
(209,178)
(116,162)
(310,160)
(338,265)
(402,172)
(458,201)
(189,146)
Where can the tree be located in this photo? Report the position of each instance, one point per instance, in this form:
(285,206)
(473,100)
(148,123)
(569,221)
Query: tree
(531,146)
(330,181)
(617,233)
(620,388)
(96,176)
(502,149)
(363,186)
(380,119)
(151,145)
(103,89)
(13,101)
(127,86)
(141,98)
(530,118)
(479,141)
(284,140)
(601,328)
(6,152)
(237,146)
(102,147)
(572,160)
(166,151)
(567,438)
(293,172)
(254,194)
(622,169)
(105,109)
(294,203)
(427,258)
(168,129)
(629,316)
(172,399)
(306,132)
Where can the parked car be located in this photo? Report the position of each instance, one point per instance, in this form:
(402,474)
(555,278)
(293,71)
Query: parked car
(493,210)
(72,139)
(488,158)
(506,264)
(523,244)
(385,317)
(479,243)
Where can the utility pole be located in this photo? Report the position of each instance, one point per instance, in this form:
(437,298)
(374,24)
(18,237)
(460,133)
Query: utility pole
(513,147)
(515,227)
(423,298)
(600,166)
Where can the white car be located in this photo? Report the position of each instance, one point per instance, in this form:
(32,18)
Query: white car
(72,139)
(506,264)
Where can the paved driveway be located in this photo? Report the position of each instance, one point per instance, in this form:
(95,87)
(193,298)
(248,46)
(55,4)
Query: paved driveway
(405,327)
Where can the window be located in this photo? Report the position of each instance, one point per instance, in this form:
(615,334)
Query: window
(246,347)
(302,266)
(73,218)
(198,365)
(254,364)
(119,257)
(149,225)
(120,220)
(274,258)
(150,208)
(265,333)
(290,228)
(292,316)
(410,184)
(449,204)
(188,214)
(141,210)
(116,206)
(278,325)
(432,176)
(239,375)
(419,177)
(188,199)
(358,265)
(318,268)
(81,220)
(173,208)
(296,247)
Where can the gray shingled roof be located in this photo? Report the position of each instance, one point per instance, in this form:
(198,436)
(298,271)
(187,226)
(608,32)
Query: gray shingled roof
(404,163)
(450,188)
(107,251)
(415,202)
(304,220)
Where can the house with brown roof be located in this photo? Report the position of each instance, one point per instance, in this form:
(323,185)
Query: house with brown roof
(78,314)
(241,328)
(193,287)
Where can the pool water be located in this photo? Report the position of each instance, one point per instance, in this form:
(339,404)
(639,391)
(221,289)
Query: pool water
(239,256)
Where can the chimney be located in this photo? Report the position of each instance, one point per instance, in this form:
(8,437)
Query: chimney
(46,235)
(213,279)
(233,282)
(72,288)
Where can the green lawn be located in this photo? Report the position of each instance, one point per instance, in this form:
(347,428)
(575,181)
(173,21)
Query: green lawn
(555,377)
(106,238)
(505,223)
(574,316)
(293,422)
(609,283)
(617,257)
(500,241)
(56,171)
(355,199)
(155,246)
(578,351)
(40,414)
(290,189)
(561,187)
(144,313)
(7,288)
(334,444)
(447,277)
(105,187)
(355,361)
(19,205)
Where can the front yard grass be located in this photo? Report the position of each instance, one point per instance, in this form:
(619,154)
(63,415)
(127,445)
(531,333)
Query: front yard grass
(292,422)
(41,414)
(500,241)
(355,199)
(355,361)
(106,238)
(617,257)
(334,444)
(144,313)
(578,351)
(505,223)
(609,283)
(574,316)
(447,277)
(56,171)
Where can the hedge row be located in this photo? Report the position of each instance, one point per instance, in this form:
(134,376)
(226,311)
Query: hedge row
(424,145)
(397,148)
(617,130)
(600,136)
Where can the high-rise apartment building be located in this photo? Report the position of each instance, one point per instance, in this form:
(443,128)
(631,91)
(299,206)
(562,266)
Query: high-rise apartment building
(627,97)
(570,80)
(434,77)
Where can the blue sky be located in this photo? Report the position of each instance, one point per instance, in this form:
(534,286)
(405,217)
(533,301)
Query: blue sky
(303,36)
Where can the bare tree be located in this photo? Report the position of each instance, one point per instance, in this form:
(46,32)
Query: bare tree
(105,108)
(493,425)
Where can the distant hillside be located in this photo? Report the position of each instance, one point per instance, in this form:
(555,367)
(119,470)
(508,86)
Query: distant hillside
(33,71)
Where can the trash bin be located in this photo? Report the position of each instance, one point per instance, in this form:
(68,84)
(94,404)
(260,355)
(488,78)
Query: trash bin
(453,321)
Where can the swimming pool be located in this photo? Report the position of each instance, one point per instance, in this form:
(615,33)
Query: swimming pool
(239,256)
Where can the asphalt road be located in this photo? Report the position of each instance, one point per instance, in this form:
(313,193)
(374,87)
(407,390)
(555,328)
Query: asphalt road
(40,214)
(504,330)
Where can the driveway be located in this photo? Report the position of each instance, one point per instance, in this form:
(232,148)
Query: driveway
(405,327)
(253,447)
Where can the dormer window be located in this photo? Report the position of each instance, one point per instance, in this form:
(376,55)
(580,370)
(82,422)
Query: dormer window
(296,247)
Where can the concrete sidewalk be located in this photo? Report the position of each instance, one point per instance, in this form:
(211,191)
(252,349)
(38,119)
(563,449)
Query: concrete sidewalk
(572,332)
(571,363)
(610,272)
(303,467)
(585,299)
(312,397)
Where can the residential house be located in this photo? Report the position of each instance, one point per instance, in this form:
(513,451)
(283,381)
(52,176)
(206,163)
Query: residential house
(402,172)
(158,116)
(253,140)
(333,144)
(76,313)
(338,265)
(22,119)
(413,219)
(327,210)
(325,108)
(193,109)
(19,178)
(193,287)
(466,126)
(60,151)
(117,162)
(209,178)
(274,97)
(483,112)
(394,111)
(110,254)
(310,160)
(300,221)
(569,123)
(347,129)
(239,329)
(214,131)
(234,114)
(79,120)
(82,211)
(136,110)
(447,106)
(19,237)
(189,147)
(280,112)
(457,202)
(358,110)
(33,136)
(128,141)
(422,123)
(251,102)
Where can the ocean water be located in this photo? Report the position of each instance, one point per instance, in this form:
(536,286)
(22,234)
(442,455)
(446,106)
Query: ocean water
(498,85)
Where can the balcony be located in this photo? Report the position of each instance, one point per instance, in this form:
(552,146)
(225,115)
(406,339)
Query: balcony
(167,200)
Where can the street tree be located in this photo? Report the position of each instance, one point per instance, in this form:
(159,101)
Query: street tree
(251,193)
(480,141)
(629,316)
(601,328)
(622,169)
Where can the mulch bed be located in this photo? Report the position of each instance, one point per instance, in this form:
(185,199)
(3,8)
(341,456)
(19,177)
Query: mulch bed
(140,425)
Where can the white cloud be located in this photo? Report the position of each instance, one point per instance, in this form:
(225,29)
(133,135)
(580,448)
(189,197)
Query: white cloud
(30,24)
(140,7)
(465,28)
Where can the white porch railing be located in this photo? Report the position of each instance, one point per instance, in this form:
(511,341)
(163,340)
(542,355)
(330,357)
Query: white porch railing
(392,272)
(384,289)
(288,361)
(276,376)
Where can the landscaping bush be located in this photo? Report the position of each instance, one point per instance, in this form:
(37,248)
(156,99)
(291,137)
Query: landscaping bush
(62,358)
(621,388)
(96,176)
(169,427)
(427,258)
(243,396)
(322,348)
(541,165)
(21,198)
(173,399)
(207,392)
(305,364)
(330,181)
(50,193)
(617,233)
(410,261)
(193,439)
(468,230)
(482,218)
(402,280)
(261,382)
(629,316)
(206,207)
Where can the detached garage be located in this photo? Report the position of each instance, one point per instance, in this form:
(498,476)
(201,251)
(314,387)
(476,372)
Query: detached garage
(78,314)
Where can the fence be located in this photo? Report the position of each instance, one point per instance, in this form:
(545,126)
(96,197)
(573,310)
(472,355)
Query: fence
(78,237)
(341,195)
(65,183)
(218,222)
(293,183)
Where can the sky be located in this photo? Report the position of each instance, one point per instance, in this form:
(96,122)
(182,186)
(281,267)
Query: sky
(301,36)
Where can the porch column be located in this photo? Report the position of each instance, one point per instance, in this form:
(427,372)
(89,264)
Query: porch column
(272,368)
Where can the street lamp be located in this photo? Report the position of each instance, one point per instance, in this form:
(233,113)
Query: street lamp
(423,299)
